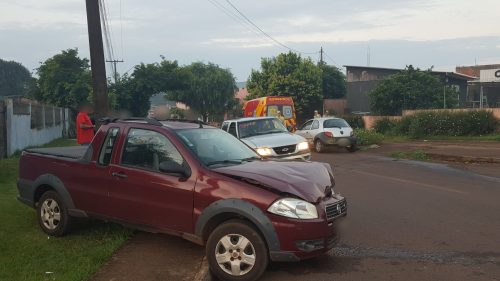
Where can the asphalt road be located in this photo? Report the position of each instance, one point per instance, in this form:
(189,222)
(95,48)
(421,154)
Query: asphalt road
(407,221)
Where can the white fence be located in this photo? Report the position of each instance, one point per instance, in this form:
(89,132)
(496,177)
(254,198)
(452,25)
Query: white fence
(29,123)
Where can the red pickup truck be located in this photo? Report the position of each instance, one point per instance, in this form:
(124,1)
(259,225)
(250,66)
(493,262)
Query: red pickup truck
(191,180)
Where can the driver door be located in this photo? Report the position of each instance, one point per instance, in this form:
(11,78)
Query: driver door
(305,131)
(144,195)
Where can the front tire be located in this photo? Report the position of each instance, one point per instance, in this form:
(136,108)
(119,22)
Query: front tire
(319,147)
(237,252)
(53,215)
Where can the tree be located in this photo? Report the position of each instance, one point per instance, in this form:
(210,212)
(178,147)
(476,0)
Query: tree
(64,80)
(411,89)
(333,82)
(15,79)
(289,75)
(132,93)
(209,91)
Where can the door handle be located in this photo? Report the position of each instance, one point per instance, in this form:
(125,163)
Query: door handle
(120,175)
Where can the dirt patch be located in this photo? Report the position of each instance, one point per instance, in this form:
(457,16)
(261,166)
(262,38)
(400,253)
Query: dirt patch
(153,257)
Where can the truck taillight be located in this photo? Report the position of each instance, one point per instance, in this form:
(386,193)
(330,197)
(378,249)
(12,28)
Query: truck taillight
(329,134)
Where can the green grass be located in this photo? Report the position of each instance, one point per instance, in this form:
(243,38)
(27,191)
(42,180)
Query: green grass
(493,138)
(26,253)
(418,155)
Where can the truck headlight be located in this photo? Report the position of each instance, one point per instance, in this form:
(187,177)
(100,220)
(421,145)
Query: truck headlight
(303,146)
(294,208)
(264,151)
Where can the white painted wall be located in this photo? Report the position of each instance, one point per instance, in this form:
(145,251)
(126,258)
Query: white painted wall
(19,132)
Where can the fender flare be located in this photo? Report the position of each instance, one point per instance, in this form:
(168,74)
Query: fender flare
(244,209)
(57,185)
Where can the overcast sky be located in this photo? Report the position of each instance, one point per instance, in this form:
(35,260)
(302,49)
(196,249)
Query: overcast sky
(425,33)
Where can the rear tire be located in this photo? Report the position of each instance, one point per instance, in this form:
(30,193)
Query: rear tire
(53,214)
(352,148)
(319,147)
(237,252)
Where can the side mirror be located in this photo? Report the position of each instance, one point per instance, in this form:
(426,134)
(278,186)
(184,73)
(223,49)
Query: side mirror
(174,168)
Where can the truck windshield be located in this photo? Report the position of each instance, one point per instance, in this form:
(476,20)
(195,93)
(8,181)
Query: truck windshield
(216,147)
(260,127)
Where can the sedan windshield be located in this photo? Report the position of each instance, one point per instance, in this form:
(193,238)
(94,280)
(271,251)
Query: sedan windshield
(335,123)
(260,127)
(216,147)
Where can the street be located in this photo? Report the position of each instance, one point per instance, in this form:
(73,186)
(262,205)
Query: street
(408,221)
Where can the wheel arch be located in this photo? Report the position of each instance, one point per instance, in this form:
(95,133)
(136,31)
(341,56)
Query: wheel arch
(48,182)
(227,209)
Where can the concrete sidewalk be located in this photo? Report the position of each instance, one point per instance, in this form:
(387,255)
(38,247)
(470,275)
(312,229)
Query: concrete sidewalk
(149,256)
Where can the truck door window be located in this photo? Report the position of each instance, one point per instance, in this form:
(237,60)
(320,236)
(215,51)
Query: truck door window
(107,147)
(232,129)
(146,149)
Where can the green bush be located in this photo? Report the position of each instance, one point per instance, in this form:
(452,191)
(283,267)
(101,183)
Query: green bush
(444,123)
(355,121)
(368,137)
(385,126)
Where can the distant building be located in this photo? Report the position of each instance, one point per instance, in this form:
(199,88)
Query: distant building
(484,91)
(361,80)
(475,70)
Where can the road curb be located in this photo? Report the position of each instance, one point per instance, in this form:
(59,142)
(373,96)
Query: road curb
(203,273)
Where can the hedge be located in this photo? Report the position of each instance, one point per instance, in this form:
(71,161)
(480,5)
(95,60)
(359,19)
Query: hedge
(368,137)
(442,123)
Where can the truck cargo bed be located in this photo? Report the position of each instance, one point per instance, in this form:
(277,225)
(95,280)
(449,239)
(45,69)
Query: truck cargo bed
(73,152)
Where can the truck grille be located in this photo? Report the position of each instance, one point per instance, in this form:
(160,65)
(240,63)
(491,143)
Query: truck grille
(287,149)
(335,210)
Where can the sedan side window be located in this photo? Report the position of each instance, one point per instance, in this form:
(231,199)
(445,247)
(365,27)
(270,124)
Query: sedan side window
(224,126)
(146,149)
(232,129)
(307,125)
(315,125)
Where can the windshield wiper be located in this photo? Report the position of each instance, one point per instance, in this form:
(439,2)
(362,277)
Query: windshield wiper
(228,161)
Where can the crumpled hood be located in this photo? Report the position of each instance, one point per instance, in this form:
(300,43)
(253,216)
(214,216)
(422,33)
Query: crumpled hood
(273,140)
(306,180)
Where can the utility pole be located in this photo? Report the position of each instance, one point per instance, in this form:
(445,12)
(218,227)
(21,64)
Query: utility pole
(115,73)
(321,56)
(97,64)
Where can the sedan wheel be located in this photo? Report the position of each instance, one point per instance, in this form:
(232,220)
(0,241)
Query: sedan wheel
(319,146)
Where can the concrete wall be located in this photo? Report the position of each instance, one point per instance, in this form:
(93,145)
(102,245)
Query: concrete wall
(3,131)
(371,120)
(495,111)
(19,130)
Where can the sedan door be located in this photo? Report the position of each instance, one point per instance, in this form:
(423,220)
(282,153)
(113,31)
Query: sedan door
(144,195)
(305,131)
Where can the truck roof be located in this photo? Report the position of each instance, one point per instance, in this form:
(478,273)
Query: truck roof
(169,123)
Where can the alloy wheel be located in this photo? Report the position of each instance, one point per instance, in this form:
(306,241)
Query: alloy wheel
(235,254)
(50,214)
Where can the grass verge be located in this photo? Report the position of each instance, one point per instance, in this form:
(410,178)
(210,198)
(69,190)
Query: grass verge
(29,254)
(492,138)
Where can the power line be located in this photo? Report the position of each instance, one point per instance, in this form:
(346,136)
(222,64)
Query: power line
(265,33)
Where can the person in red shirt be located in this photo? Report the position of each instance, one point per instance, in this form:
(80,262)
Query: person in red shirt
(84,126)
